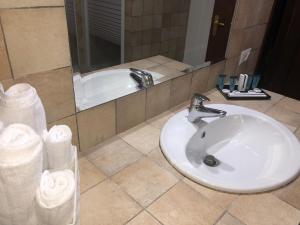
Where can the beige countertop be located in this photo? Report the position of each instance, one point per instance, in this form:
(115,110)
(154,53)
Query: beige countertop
(127,180)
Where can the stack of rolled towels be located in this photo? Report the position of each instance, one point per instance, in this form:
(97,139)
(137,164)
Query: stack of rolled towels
(39,177)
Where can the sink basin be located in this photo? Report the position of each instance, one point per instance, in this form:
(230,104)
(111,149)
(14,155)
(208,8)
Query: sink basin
(255,152)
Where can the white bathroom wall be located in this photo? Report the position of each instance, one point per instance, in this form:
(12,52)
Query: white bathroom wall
(198,31)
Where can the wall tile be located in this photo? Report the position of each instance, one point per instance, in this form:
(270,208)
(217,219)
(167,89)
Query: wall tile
(37,39)
(234,43)
(55,89)
(5,72)
(29,3)
(180,89)
(214,71)
(243,13)
(137,8)
(200,80)
(158,99)
(96,125)
(252,61)
(231,66)
(253,37)
(72,123)
(265,11)
(131,110)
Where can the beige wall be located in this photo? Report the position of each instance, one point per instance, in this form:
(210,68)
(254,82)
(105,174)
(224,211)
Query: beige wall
(247,31)
(34,49)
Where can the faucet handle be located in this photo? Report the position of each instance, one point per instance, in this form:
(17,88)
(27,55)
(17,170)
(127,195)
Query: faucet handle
(198,99)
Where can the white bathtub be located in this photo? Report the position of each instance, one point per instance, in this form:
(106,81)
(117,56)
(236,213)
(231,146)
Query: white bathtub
(99,87)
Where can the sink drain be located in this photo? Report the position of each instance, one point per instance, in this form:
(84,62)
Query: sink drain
(211,161)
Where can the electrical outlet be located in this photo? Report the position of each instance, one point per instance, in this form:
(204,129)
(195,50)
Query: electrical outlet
(244,55)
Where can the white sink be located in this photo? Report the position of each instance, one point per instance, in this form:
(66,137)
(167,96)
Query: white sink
(256,153)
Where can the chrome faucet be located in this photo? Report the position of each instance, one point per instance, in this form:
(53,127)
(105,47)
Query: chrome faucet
(198,111)
(143,78)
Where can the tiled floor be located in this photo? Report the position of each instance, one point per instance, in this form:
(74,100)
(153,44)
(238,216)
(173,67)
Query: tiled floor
(127,180)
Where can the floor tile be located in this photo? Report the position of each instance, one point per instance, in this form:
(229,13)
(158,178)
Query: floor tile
(183,205)
(114,156)
(89,175)
(160,120)
(290,193)
(157,156)
(144,218)
(106,204)
(145,181)
(221,199)
(264,209)
(143,137)
(228,219)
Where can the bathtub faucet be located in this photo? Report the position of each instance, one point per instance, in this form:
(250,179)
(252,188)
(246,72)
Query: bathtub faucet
(143,78)
(198,111)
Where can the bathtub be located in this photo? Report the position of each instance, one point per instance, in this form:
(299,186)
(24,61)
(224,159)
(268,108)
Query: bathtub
(99,87)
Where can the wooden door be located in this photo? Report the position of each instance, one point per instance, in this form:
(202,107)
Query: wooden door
(219,31)
(280,59)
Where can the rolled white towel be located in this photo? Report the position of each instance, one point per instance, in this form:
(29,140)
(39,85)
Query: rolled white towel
(1,126)
(55,198)
(60,152)
(21,104)
(20,173)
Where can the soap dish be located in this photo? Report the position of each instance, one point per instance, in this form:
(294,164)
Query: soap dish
(245,95)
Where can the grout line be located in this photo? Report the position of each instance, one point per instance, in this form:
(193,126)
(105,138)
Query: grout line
(105,179)
(33,7)
(6,50)
(220,217)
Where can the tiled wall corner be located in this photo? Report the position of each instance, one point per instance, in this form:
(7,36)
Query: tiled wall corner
(96,125)
(158,99)
(131,110)
(72,123)
(36,39)
(55,88)
(180,89)
(214,71)
(200,80)
(34,49)
(5,70)
(248,28)
(29,3)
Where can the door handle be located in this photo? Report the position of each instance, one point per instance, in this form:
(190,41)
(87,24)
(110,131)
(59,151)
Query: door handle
(216,25)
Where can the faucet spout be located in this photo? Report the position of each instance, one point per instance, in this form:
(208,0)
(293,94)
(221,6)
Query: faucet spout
(143,78)
(198,111)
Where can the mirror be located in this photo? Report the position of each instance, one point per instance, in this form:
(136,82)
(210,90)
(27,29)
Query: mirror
(165,38)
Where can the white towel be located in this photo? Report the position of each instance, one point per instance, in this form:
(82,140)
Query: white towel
(55,198)
(1,126)
(20,173)
(21,104)
(59,148)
